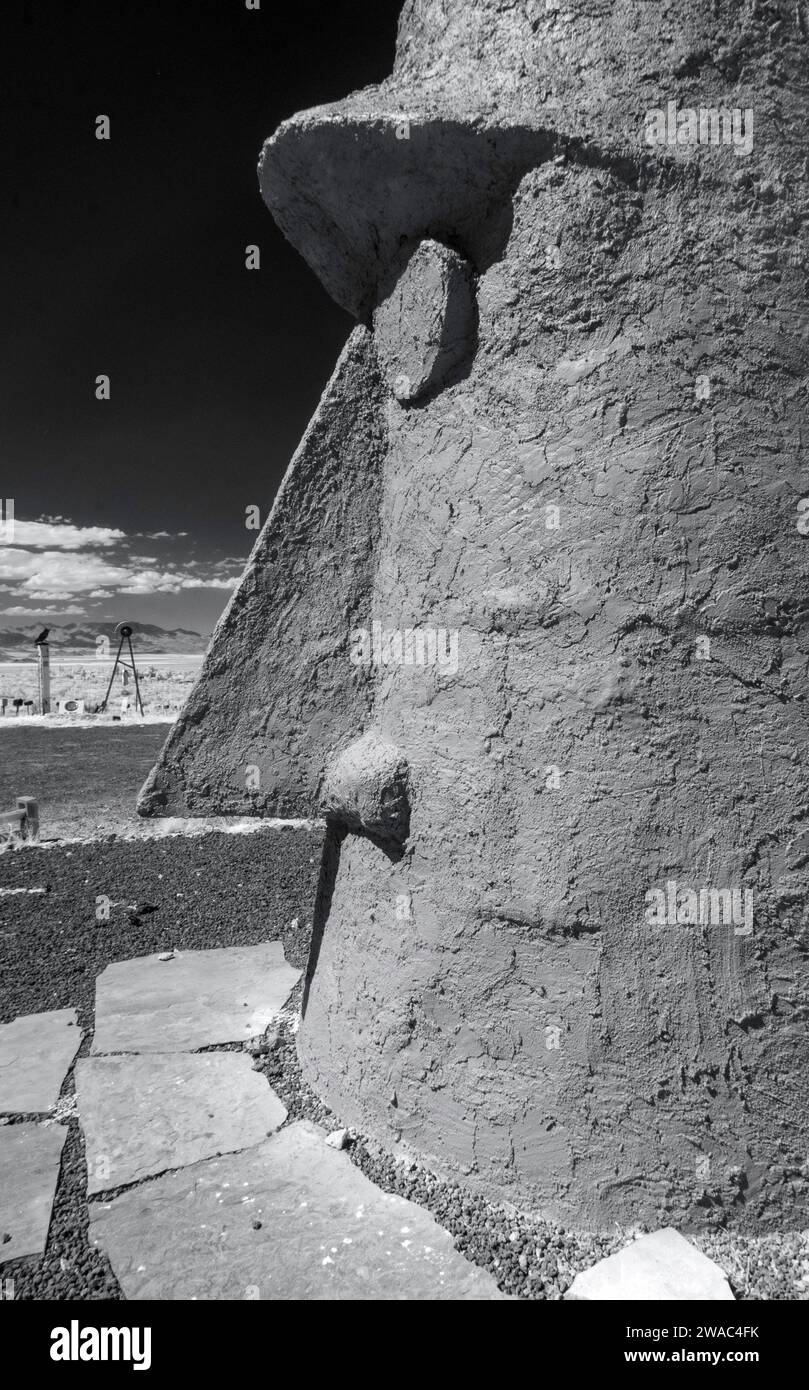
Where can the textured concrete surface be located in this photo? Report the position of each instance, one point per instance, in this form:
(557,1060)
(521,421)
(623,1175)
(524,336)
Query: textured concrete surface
(604,509)
(195,999)
(143,1115)
(288,1219)
(274,693)
(35,1054)
(30,1155)
(663,1265)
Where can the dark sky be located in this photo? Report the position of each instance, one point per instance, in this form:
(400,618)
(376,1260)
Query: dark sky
(126,257)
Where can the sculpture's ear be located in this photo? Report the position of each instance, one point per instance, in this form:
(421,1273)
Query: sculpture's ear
(278,692)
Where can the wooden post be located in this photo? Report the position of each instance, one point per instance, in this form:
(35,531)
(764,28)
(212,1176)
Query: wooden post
(44,677)
(29,825)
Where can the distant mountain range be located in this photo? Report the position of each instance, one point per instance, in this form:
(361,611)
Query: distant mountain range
(79,639)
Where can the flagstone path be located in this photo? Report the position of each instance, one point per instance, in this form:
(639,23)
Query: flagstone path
(178,1001)
(289,1218)
(30,1156)
(210,1194)
(35,1055)
(144,1115)
(662,1266)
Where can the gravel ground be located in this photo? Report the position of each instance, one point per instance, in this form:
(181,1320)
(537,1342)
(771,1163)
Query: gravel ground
(86,780)
(762,1268)
(222,890)
(210,890)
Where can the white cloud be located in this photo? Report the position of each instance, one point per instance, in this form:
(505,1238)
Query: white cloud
(51,560)
(48,573)
(54,574)
(56,533)
(18,612)
(161,535)
(172,582)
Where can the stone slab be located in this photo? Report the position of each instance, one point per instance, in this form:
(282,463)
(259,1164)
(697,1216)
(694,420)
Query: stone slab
(196,999)
(143,1115)
(36,1051)
(663,1265)
(290,1219)
(30,1156)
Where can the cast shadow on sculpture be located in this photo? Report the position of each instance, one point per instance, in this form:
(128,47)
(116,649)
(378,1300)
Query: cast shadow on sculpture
(327,878)
(350,194)
(366,793)
(445,182)
(329,866)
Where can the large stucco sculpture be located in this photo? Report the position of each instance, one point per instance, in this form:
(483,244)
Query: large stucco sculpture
(529,622)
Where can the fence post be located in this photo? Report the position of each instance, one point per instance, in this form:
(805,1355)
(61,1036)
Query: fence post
(29,825)
(44,655)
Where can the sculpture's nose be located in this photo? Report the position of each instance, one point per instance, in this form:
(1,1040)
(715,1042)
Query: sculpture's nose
(366,788)
(425,324)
